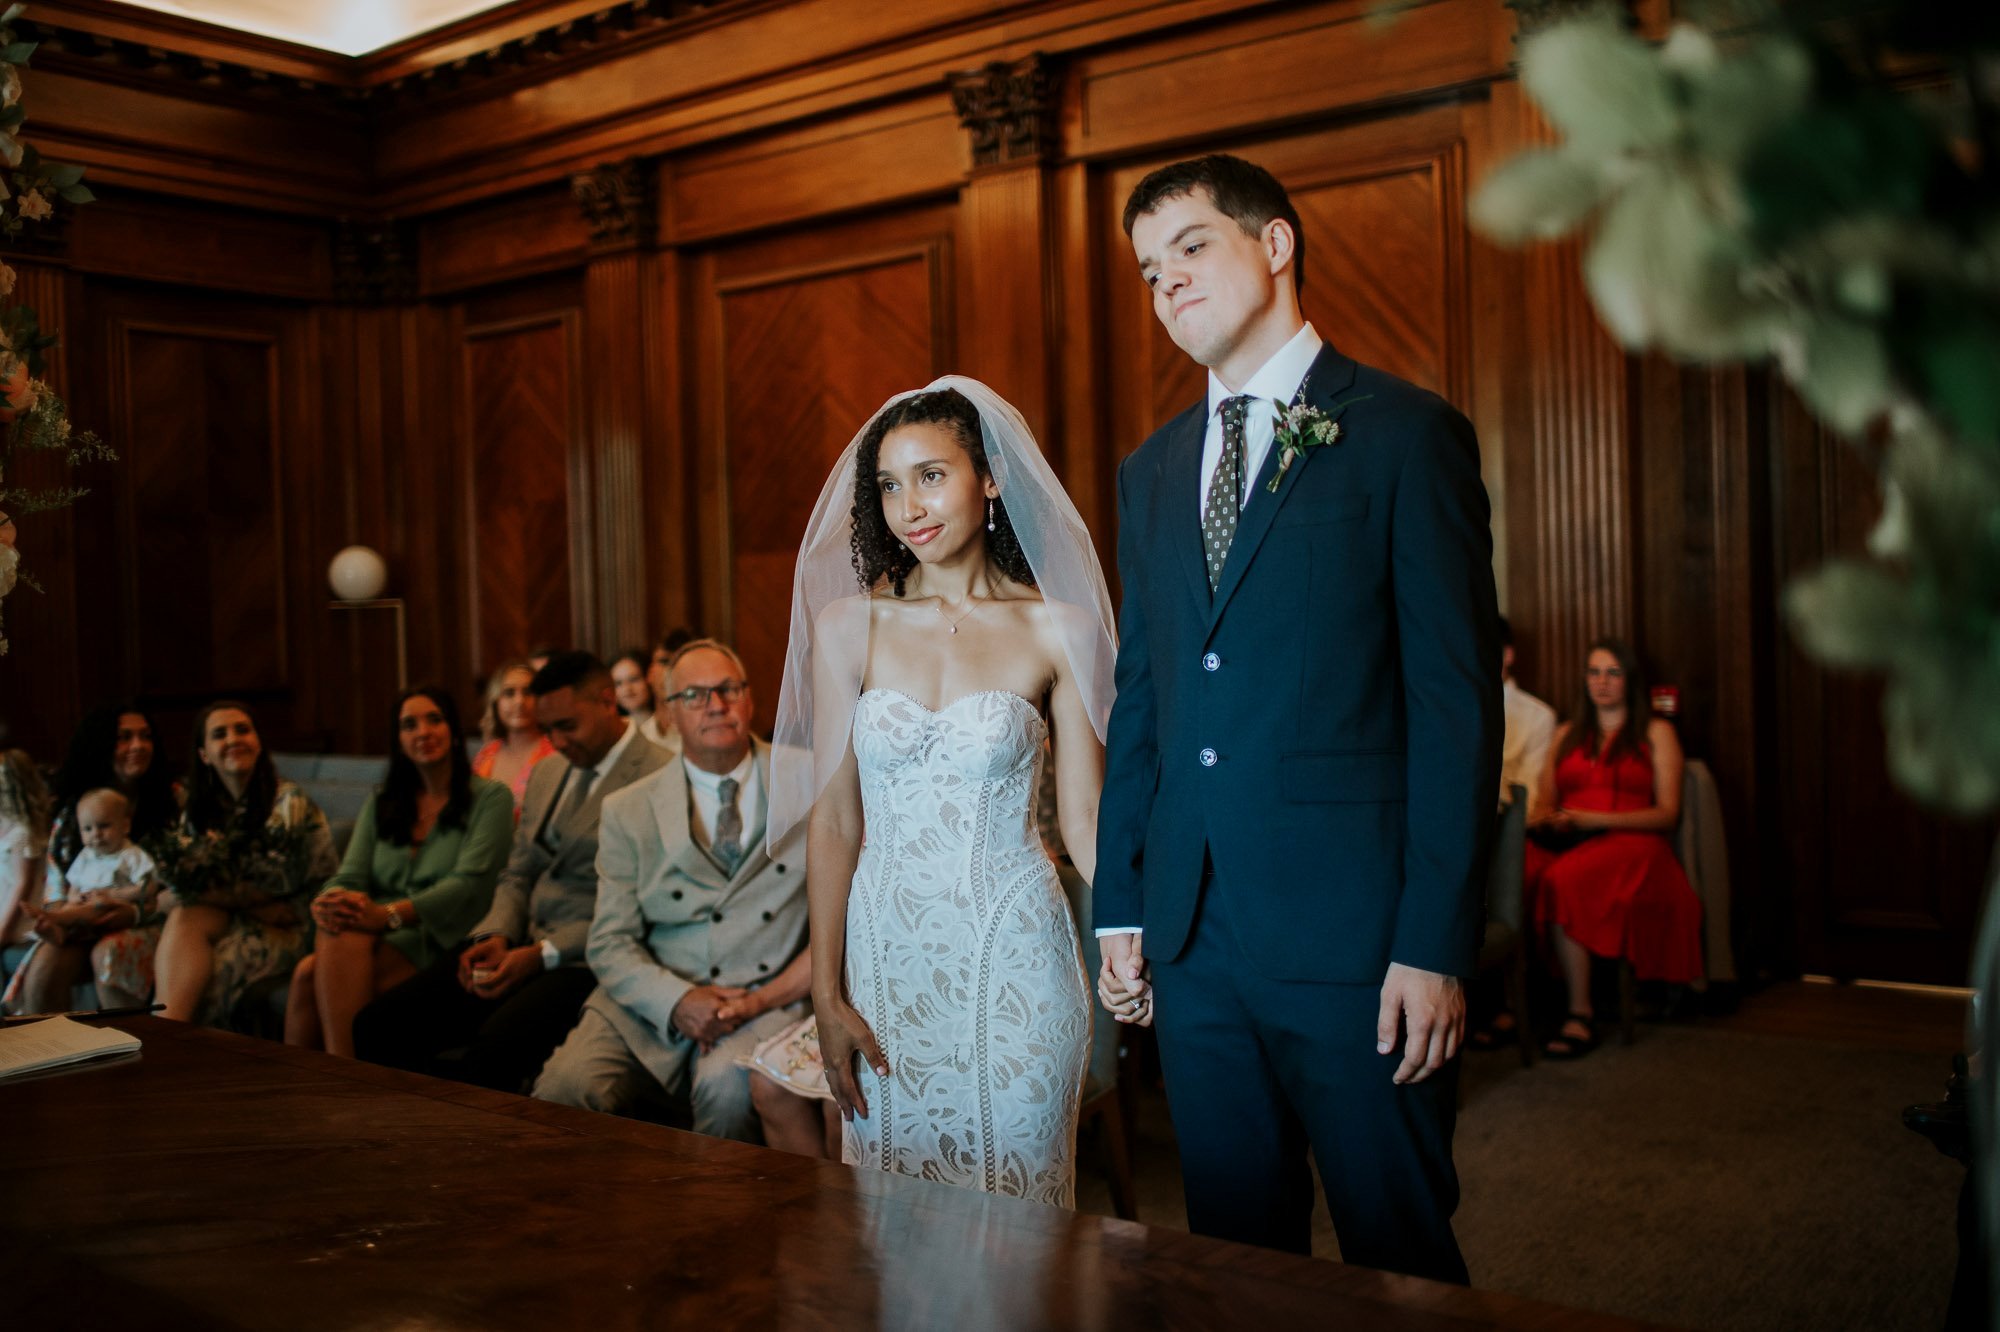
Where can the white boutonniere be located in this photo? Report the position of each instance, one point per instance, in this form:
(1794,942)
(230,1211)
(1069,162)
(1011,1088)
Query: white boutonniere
(1300,427)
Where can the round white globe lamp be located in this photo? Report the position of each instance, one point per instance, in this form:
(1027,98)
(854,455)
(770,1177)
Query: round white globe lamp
(357,574)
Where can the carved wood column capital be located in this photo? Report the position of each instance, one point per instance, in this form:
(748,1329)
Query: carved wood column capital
(374,263)
(617,199)
(1009,109)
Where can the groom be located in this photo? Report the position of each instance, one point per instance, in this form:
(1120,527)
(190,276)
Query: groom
(1302,756)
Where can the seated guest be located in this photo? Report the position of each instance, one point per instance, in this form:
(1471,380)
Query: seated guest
(660,728)
(511,993)
(24,836)
(629,670)
(107,887)
(1601,869)
(419,872)
(113,746)
(1531,729)
(699,940)
(515,742)
(238,870)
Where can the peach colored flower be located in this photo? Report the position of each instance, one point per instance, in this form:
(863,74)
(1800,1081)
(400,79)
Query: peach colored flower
(35,206)
(7,276)
(18,391)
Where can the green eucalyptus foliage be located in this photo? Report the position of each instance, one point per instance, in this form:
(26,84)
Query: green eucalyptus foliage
(1764,189)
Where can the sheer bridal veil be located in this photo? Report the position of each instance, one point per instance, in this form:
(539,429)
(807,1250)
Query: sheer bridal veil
(807,749)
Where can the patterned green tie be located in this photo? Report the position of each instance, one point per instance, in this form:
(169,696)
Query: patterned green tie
(1225,490)
(727,844)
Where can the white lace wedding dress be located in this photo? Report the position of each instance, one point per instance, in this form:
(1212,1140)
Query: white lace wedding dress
(961,952)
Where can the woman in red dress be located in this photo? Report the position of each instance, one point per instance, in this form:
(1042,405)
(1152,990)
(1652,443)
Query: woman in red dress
(1613,792)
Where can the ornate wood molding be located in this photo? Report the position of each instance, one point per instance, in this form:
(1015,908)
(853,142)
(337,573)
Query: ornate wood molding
(368,86)
(1009,108)
(617,203)
(1531,16)
(374,263)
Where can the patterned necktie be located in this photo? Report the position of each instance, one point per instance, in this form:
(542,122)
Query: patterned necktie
(727,844)
(1225,490)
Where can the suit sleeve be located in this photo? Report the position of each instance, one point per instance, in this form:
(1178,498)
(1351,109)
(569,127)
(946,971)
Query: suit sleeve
(1447,620)
(508,916)
(459,898)
(625,967)
(1131,745)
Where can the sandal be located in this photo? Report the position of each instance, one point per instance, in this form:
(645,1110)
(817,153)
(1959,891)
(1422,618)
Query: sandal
(1493,1035)
(1574,1047)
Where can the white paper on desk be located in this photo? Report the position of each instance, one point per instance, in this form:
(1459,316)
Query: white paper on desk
(30,1047)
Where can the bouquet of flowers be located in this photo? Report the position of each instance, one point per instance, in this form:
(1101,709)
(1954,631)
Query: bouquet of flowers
(237,869)
(32,417)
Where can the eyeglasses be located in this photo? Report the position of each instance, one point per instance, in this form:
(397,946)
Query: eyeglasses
(695,697)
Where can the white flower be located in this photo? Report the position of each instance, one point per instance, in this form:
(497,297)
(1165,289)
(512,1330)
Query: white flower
(7,276)
(10,85)
(10,561)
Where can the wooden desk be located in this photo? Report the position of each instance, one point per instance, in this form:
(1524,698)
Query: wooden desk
(219,1181)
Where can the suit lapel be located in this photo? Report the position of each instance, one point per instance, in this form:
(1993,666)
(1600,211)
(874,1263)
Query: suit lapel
(1181,478)
(1330,376)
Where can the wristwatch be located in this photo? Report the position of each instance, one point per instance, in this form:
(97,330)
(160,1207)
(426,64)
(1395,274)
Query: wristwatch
(395,919)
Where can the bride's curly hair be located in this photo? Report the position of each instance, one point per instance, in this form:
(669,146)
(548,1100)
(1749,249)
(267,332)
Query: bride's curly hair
(878,553)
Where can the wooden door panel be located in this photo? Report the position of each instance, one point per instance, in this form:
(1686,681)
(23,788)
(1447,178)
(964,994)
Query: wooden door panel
(521,410)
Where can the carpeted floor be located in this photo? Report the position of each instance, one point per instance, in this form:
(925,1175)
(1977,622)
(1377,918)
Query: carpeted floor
(1704,1177)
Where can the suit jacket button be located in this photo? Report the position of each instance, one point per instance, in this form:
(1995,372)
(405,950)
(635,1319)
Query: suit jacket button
(717,918)
(677,894)
(769,916)
(713,972)
(1211,662)
(763,966)
(1207,757)
(781,869)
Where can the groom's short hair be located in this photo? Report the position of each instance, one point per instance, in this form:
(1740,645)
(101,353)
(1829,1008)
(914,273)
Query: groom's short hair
(1241,191)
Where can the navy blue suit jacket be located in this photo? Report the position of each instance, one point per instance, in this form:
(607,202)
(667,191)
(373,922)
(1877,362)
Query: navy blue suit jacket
(1326,727)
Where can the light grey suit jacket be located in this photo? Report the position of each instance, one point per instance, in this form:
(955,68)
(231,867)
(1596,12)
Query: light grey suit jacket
(549,888)
(668,919)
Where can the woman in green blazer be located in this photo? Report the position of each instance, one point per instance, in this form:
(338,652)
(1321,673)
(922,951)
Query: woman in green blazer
(419,872)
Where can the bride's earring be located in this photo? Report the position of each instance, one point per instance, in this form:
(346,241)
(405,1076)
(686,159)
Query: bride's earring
(989,515)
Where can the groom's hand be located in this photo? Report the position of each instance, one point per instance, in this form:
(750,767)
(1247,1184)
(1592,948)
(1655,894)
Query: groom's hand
(1431,1007)
(1121,984)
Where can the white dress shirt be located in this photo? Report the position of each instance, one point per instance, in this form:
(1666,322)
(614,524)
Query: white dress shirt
(658,733)
(705,792)
(1531,730)
(1276,383)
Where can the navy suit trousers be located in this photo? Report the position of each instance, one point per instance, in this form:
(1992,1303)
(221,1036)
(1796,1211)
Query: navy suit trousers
(1258,1070)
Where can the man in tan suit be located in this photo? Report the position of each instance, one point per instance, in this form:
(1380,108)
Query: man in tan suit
(699,937)
(510,995)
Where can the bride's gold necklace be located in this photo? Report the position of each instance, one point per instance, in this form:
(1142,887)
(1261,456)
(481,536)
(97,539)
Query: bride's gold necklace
(976,604)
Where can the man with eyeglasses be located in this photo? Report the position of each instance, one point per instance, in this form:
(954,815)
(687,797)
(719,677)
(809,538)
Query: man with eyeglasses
(511,994)
(699,937)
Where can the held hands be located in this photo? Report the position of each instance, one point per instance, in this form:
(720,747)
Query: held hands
(339,909)
(842,1034)
(1123,986)
(700,1015)
(1431,1009)
(491,970)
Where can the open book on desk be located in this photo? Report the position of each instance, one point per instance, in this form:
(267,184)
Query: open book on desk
(36,1047)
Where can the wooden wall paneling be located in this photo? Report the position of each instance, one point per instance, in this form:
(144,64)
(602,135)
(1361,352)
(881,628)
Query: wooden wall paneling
(41,689)
(525,235)
(1879,887)
(672,531)
(1285,63)
(434,569)
(1089,453)
(802,337)
(188,144)
(895,154)
(526,485)
(157,238)
(1008,262)
(619,314)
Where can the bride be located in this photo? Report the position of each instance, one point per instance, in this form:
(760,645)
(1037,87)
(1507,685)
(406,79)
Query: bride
(950,627)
